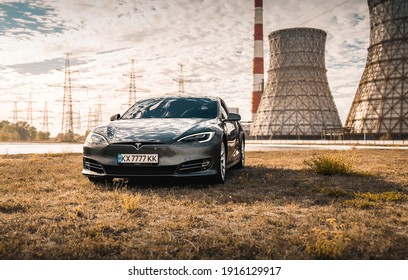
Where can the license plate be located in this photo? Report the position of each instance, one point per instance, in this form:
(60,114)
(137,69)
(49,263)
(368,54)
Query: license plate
(138,158)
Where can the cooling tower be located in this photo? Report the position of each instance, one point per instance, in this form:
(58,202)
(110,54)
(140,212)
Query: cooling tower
(380,106)
(297,102)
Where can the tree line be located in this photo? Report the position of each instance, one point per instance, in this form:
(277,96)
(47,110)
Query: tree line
(21,131)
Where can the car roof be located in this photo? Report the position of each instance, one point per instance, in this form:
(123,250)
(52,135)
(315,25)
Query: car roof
(183,97)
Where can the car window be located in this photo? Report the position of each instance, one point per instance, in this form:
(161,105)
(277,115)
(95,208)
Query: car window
(173,108)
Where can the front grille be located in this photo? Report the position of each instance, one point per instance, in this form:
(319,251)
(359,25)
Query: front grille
(93,165)
(195,166)
(139,170)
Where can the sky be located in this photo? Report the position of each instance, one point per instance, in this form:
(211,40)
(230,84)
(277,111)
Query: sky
(213,40)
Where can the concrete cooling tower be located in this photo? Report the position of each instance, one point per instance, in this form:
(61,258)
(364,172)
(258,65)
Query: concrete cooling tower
(297,102)
(380,106)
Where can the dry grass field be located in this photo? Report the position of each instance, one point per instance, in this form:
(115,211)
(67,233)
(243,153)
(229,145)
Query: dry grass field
(275,208)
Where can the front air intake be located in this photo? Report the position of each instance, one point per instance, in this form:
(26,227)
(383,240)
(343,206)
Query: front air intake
(195,166)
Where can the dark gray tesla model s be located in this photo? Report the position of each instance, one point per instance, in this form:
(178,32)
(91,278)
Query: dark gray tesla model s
(169,136)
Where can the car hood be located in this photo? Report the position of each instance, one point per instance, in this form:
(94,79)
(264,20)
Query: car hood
(150,130)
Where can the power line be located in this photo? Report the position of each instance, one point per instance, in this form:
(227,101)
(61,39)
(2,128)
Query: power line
(325,12)
(303,14)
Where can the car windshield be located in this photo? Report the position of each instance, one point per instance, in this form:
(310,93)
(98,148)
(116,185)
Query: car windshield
(173,108)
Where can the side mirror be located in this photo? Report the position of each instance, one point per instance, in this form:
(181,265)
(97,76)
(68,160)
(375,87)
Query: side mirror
(233,117)
(115,117)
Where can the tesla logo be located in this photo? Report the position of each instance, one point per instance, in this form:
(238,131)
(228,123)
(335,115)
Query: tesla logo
(138,146)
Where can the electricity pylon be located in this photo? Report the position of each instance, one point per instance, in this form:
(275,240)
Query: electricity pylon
(45,122)
(132,89)
(99,111)
(67,124)
(15,112)
(181,81)
(30,110)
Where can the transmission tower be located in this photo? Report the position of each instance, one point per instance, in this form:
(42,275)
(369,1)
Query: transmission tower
(181,81)
(98,113)
(67,124)
(95,117)
(45,123)
(132,89)
(30,110)
(77,122)
(15,113)
(90,120)
(15,109)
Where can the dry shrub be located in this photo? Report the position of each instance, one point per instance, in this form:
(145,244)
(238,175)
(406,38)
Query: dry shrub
(384,196)
(131,202)
(330,164)
(370,200)
(332,192)
(245,177)
(326,243)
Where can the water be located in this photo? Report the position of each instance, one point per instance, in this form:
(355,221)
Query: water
(38,148)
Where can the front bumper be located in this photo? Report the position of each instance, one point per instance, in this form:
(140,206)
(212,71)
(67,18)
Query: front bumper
(175,160)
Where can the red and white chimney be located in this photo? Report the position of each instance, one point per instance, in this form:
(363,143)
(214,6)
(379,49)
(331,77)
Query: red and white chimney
(258,62)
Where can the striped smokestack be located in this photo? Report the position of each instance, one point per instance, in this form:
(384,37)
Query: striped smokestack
(258,62)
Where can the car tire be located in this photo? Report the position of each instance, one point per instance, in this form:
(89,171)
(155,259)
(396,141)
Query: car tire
(241,163)
(219,178)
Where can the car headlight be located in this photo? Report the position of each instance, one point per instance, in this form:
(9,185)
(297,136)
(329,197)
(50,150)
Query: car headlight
(94,139)
(198,137)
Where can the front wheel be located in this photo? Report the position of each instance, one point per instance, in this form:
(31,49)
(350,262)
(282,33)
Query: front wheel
(221,170)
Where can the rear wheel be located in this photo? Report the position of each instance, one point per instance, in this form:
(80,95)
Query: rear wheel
(220,177)
(241,163)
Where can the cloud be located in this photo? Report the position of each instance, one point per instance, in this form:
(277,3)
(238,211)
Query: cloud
(27,18)
(213,39)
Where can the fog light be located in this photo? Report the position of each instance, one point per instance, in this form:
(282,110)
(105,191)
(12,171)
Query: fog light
(205,164)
